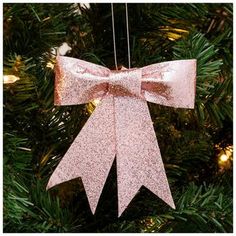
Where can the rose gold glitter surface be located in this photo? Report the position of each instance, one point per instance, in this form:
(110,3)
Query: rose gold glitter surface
(91,154)
(138,156)
(121,125)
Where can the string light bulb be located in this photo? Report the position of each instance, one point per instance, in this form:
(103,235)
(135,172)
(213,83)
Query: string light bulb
(225,158)
(50,65)
(96,102)
(91,106)
(10,79)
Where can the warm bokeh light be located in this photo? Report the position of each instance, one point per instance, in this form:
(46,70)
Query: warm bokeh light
(224,158)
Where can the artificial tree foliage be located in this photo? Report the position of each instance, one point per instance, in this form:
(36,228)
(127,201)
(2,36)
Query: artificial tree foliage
(37,134)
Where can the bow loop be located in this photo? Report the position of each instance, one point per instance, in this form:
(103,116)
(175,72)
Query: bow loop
(78,81)
(170,83)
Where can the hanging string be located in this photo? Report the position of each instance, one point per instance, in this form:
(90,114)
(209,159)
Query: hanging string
(127,31)
(114,36)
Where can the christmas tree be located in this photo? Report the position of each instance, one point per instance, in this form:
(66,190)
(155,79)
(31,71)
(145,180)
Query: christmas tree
(196,145)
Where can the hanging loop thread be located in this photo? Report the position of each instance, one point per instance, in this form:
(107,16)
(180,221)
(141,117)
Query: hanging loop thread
(114,36)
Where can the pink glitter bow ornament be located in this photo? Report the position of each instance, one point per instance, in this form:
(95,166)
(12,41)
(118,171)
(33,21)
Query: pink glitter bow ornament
(121,125)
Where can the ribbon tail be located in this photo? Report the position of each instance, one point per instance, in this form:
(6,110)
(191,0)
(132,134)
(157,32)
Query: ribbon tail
(139,161)
(91,154)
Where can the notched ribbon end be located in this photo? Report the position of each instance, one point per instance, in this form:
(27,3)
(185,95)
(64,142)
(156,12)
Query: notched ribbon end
(53,181)
(172,205)
(48,186)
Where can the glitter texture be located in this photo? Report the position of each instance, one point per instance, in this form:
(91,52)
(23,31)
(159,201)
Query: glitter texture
(121,125)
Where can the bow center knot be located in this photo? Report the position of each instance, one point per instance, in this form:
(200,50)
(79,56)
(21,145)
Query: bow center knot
(125,82)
